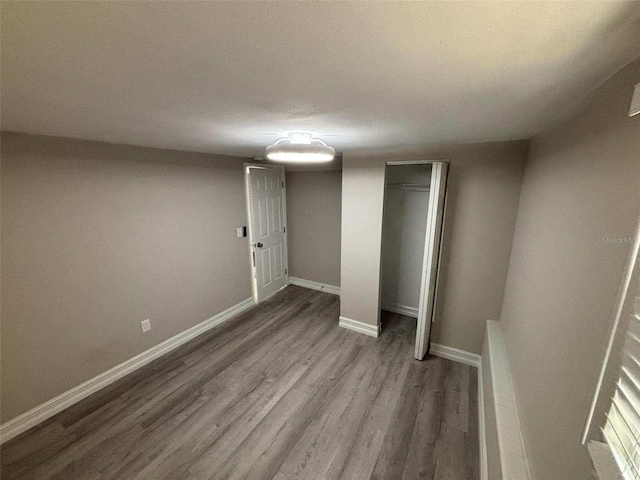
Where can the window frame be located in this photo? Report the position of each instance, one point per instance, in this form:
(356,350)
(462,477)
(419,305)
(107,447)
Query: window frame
(610,369)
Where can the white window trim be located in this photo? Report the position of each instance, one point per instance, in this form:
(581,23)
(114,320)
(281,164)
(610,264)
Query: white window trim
(603,458)
(603,461)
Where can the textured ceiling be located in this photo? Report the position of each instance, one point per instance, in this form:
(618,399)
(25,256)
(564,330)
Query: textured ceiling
(232,77)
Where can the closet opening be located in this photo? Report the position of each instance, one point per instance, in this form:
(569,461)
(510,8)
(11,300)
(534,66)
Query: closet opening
(411,233)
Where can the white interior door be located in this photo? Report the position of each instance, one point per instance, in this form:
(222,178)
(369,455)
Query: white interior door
(431,257)
(266,200)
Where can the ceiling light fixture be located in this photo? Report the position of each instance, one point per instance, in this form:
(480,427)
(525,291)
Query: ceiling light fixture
(300,147)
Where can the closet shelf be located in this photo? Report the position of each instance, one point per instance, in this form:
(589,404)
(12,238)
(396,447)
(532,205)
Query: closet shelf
(409,186)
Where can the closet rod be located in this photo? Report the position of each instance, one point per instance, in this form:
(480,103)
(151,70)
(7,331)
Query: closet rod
(409,186)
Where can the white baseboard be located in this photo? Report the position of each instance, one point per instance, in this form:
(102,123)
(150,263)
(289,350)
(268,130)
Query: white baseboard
(484,471)
(455,354)
(401,309)
(360,327)
(322,287)
(48,409)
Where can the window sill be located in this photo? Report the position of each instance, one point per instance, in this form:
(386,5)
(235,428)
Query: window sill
(603,462)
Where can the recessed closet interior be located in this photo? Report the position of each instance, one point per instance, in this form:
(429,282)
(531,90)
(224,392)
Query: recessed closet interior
(406,208)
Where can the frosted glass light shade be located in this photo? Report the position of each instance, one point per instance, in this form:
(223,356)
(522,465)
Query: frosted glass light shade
(300,148)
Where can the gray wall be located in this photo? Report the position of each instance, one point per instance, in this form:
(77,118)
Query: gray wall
(98,237)
(581,186)
(483,191)
(360,267)
(313,217)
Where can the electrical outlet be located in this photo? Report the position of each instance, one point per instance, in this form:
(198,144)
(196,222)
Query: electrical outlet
(146,325)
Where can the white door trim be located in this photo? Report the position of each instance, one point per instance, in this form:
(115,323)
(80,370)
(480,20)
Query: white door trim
(247,198)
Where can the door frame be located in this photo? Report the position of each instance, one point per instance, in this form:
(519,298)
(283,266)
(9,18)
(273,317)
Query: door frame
(246,166)
(423,307)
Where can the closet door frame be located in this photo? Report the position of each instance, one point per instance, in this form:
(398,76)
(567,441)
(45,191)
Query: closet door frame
(432,250)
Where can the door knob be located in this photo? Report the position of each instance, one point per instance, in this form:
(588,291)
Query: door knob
(259,245)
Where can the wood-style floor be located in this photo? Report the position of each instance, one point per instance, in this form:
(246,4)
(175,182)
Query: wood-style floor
(280,392)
